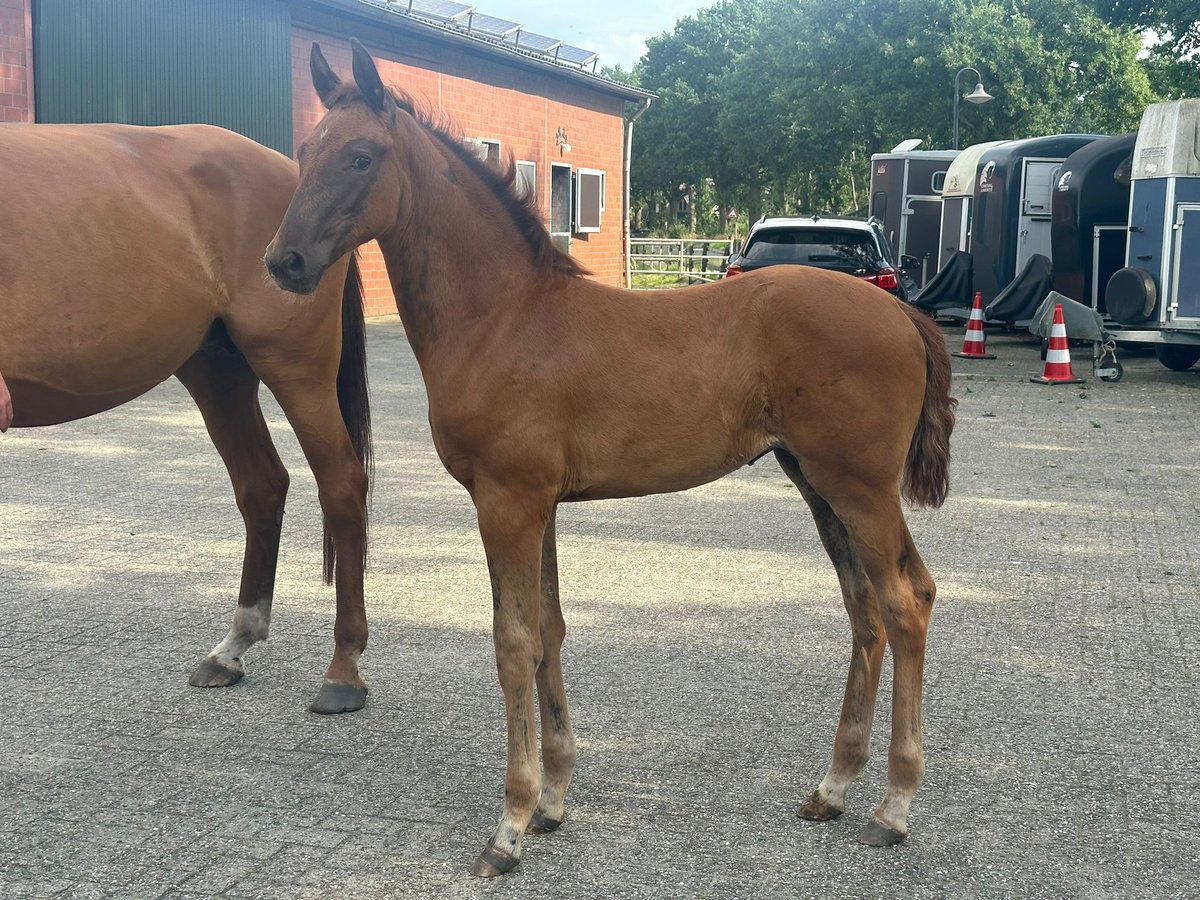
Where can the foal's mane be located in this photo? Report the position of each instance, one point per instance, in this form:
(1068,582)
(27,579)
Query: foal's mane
(520,205)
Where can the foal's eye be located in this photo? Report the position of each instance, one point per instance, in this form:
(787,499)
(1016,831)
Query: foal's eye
(362,163)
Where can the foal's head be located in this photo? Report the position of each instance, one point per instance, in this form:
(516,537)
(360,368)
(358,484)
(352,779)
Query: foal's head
(351,179)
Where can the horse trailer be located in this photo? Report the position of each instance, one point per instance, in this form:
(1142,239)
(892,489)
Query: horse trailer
(957,196)
(1011,216)
(906,196)
(1155,298)
(1089,212)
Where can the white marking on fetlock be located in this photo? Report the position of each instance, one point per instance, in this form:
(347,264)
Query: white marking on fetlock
(251,624)
(508,838)
(893,811)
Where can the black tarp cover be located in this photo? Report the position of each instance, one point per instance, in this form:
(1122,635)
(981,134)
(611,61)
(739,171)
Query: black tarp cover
(1020,300)
(1082,323)
(950,288)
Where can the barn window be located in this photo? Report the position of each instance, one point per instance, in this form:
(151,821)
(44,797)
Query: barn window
(589,200)
(527,178)
(939,182)
(486,149)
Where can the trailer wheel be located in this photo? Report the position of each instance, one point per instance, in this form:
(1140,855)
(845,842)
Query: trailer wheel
(1177,357)
(1117,371)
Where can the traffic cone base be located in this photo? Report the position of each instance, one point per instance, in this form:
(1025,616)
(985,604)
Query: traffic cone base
(975,341)
(1058,355)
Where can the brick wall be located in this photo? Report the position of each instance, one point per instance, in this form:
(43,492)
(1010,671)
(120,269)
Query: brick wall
(483,98)
(16,63)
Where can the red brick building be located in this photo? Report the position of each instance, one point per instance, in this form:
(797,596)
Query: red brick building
(509,92)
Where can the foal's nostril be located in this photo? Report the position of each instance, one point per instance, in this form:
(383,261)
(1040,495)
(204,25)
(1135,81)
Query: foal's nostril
(293,264)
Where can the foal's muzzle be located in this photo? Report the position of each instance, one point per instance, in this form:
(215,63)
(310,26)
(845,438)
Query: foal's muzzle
(292,271)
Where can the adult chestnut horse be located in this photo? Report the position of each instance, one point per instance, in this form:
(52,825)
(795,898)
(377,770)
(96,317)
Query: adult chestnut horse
(131,254)
(545,387)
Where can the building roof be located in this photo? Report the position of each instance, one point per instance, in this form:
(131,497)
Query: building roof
(456,23)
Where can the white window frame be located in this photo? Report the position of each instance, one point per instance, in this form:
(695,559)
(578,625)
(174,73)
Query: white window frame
(531,167)
(570,199)
(577,204)
(481,146)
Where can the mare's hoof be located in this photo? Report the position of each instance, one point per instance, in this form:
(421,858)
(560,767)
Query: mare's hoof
(493,862)
(876,834)
(817,810)
(542,823)
(214,673)
(338,697)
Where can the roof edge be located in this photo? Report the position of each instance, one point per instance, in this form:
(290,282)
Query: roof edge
(378,12)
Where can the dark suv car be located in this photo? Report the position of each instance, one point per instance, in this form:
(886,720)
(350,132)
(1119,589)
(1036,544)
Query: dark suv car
(857,247)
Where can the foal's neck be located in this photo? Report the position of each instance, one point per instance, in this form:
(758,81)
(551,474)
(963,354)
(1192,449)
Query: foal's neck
(458,260)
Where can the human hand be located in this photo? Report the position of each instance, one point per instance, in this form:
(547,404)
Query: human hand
(6,413)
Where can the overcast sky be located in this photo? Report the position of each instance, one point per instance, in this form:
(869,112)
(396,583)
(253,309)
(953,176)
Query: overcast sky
(616,29)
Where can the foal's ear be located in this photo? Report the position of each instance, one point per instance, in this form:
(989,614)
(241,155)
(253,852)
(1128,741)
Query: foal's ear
(324,80)
(367,76)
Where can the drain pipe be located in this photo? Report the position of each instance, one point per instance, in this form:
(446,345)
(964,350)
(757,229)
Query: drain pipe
(625,165)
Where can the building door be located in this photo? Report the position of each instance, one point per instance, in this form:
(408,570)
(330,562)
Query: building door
(163,62)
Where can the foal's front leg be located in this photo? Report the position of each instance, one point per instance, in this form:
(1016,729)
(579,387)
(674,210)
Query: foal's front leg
(558,739)
(512,526)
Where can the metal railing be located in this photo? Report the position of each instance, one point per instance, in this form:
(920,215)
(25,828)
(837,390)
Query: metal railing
(660,262)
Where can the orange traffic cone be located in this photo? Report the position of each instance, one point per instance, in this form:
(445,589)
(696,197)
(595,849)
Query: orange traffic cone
(1058,356)
(975,343)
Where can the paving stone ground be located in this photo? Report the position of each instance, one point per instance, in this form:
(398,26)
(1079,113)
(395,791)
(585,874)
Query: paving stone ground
(705,662)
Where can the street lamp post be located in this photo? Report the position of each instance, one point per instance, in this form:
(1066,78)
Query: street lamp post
(979,95)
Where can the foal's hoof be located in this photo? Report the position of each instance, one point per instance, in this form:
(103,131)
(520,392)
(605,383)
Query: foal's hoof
(338,697)
(214,673)
(876,834)
(493,862)
(817,810)
(542,824)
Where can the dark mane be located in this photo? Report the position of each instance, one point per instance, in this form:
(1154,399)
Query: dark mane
(522,207)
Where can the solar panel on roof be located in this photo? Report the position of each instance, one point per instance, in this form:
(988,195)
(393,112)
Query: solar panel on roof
(491,26)
(445,10)
(576,55)
(538,42)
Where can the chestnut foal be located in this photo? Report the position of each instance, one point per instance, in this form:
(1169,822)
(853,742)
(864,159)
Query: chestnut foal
(545,387)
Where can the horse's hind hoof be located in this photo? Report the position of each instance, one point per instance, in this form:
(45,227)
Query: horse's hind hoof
(213,673)
(492,862)
(339,697)
(817,810)
(876,834)
(542,824)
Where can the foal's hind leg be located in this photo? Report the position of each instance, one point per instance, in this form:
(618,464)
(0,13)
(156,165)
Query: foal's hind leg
(906,595)
(851,744)
(558,739)
(226,391)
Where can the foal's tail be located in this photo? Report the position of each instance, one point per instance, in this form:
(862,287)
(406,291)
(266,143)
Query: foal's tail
(927,469)
(352,390)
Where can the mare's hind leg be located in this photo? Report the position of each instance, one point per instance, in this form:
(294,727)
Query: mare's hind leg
(311,406)
(226,391)
(558,739)
(851,744)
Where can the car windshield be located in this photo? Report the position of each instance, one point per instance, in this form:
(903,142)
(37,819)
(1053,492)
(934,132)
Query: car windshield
(813,246)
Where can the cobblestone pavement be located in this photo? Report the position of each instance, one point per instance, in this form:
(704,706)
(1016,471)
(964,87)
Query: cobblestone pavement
(705,664)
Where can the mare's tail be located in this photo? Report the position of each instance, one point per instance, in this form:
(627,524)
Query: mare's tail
(352,390)
(927,469)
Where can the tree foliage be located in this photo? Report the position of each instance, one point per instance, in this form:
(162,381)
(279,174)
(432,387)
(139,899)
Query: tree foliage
(777,105)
